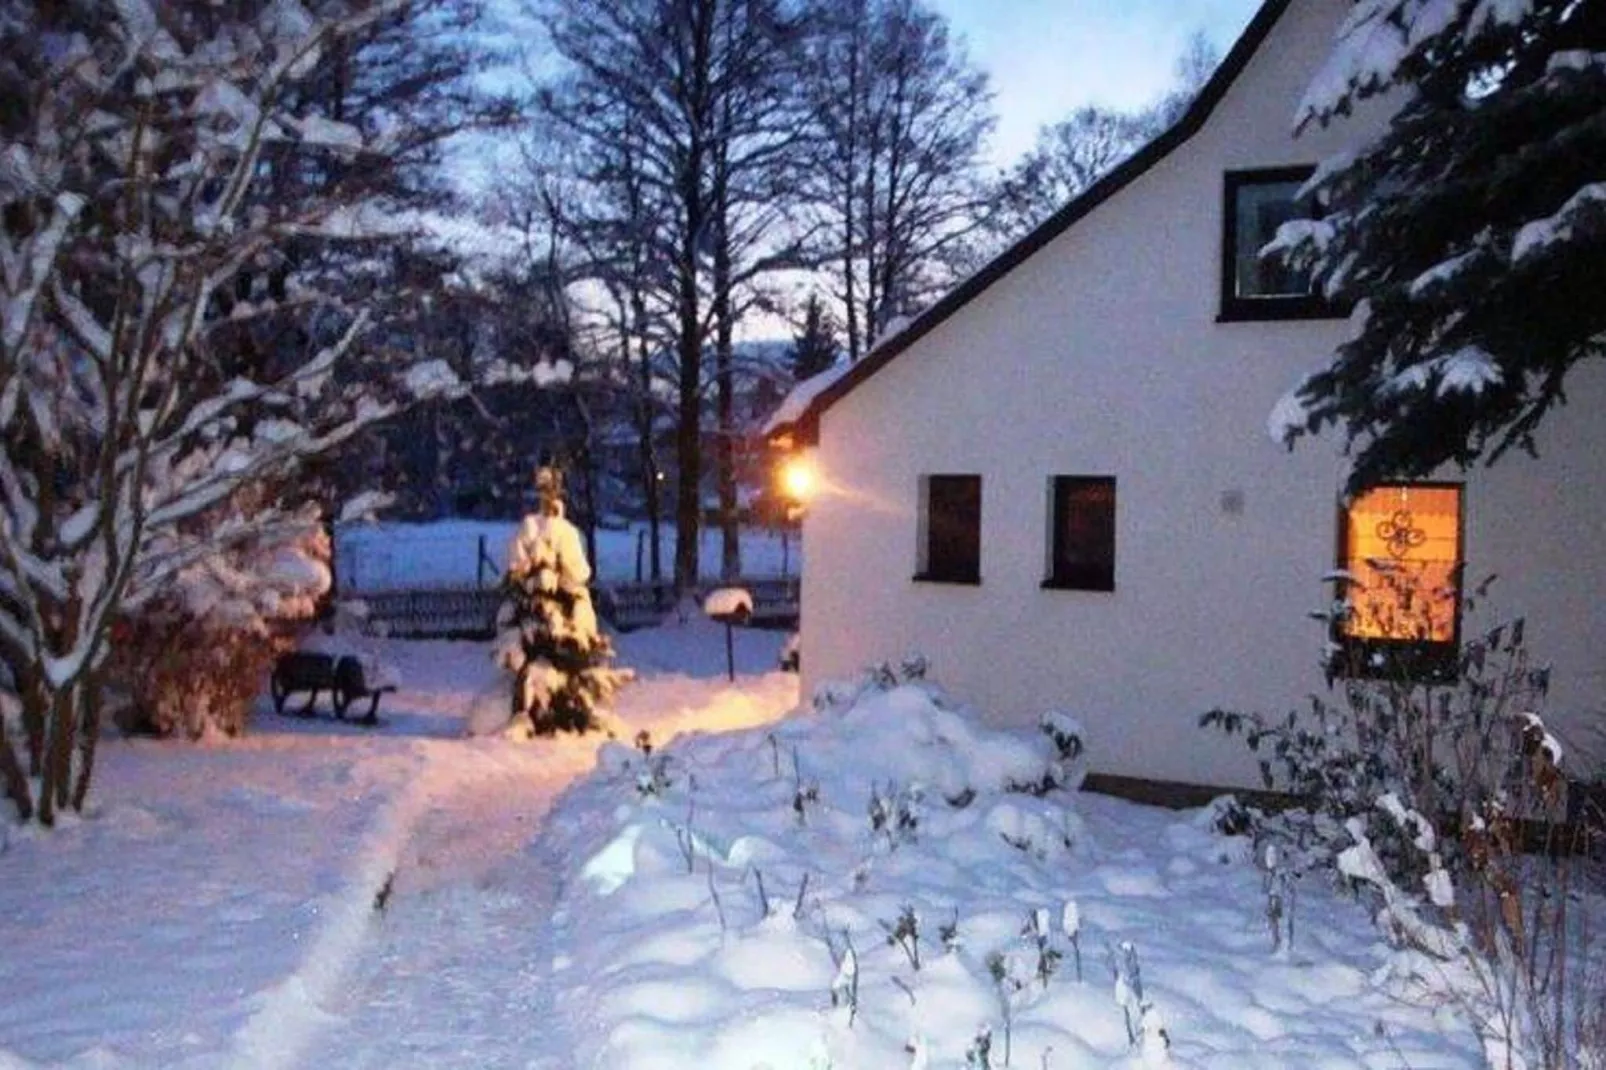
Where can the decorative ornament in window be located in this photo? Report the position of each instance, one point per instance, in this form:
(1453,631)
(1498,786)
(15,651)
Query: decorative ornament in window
(1401,534)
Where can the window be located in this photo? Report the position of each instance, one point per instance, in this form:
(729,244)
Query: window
(950,529)
(1401,559)
(1252,287)
(1082,536)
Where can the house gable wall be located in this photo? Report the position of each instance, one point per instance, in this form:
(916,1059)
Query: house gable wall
(1101,355)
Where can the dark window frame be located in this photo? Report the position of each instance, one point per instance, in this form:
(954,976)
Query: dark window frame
(1411,660)
(957,559)
(1063,575)
(1237,308)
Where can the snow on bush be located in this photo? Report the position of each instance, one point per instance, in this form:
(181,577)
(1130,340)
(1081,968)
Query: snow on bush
(912,732)
(191,662)
(780,860)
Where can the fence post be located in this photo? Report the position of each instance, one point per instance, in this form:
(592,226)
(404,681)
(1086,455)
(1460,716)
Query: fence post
(484,561)
(641,544)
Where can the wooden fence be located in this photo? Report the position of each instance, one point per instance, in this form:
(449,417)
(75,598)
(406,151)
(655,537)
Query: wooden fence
(471,613)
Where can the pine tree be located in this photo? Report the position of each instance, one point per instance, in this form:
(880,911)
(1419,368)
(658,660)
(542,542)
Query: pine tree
(814,347)
(560,661)
(1470,236)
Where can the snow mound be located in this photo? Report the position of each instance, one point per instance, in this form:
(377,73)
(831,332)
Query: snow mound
(913,733)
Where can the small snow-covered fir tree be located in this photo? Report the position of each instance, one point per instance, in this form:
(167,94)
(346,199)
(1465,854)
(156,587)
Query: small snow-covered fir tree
(561,662)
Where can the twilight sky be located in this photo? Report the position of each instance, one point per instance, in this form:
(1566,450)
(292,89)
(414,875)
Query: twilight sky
(1048,57)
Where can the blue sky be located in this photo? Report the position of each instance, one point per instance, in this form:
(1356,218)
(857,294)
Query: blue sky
(1045,58)
(1048,57)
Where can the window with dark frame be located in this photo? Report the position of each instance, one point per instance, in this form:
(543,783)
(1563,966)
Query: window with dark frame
(1082,537)
(950,529)
(1253,287)
(1400,559)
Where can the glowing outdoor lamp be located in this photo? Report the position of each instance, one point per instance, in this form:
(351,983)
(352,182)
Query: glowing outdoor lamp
(799,480)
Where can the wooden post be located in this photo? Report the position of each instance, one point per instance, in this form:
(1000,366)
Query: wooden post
(730,651)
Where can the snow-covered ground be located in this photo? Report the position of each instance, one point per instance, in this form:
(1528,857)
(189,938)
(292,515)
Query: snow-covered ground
(387,556)
(319,895)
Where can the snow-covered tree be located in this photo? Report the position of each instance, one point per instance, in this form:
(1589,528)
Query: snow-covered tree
(561,662)
(682,117)
(168,335)
(1469,236)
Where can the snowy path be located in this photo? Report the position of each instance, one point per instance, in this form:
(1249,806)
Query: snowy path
(455,971)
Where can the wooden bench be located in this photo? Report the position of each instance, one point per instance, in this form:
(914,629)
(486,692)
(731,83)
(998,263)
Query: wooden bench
(342,677)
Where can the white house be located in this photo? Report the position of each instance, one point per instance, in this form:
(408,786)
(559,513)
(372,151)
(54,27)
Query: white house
(1058,485)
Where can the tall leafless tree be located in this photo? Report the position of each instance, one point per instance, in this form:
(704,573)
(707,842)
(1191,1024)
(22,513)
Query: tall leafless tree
(902,123)
(679,111)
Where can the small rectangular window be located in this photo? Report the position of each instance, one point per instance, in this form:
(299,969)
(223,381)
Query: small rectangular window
(1082,537)
(950,529)
(1255,287)
(1401,558)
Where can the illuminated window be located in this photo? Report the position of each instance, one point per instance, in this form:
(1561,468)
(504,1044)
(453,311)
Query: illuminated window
(1400,547)
(1082,538)
(950,529)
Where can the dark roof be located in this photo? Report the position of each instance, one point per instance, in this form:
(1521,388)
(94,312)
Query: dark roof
(1117,179)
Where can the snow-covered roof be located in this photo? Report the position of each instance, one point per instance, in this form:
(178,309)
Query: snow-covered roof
(797,401)
(804,422)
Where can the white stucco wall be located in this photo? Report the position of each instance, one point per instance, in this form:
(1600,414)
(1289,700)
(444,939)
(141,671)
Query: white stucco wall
(1101,355)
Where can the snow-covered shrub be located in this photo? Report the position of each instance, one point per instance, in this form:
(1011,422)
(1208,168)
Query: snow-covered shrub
(881,676)
(1035,827)
(895,815)
(190,662)
(653,778)
(1426,793)
(1011,974)
(1445,745)
(979,1055)
(1068,768)
(920,736)
(1039,935)
(904,933)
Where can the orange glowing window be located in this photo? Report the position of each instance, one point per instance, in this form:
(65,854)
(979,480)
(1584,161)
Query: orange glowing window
(1402,549)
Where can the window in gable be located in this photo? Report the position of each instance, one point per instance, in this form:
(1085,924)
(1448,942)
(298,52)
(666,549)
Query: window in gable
(1253,287)
(1082,533)
(1400,551)
(950,529)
